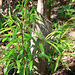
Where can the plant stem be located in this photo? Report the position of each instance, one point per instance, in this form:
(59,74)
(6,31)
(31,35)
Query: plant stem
(23,30)
(18,44)
(24,51)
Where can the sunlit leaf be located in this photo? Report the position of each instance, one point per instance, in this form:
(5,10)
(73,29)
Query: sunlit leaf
(54,46)
(67,66)
(6,70)
(18,65)
(57,62)
(38,35)
(4,39)
(30,65)
(41,48)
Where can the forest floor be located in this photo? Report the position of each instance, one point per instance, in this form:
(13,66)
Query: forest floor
(70,59)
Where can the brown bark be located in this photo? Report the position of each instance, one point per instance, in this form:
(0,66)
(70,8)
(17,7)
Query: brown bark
(42,62)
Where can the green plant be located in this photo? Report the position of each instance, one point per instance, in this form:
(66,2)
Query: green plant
(17,53)
(66,12)
(72,0)
(61,45)
(1,21)
(19,56)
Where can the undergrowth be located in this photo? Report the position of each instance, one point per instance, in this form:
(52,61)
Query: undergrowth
(17,53)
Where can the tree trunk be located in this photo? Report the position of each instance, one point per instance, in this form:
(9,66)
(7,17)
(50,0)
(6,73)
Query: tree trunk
(0,8)
(43,28)
(0,4)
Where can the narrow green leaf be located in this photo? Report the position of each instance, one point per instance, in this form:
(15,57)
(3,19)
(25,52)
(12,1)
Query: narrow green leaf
(10,15)
(57,62)
(3,59)
(6,29)
(6,70)
(35,72)
(18,65)
(38,35)
(34,42)
(70,47)
(51,34)
(4,39)
(7,63)
(65,32)
(54,46)
(5,16)
(41,48)
(15,32)
(10,53)
(24,70)
(10,43)
(31,65)
(67,66)
(28,35)
(8,34)
(42,55)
